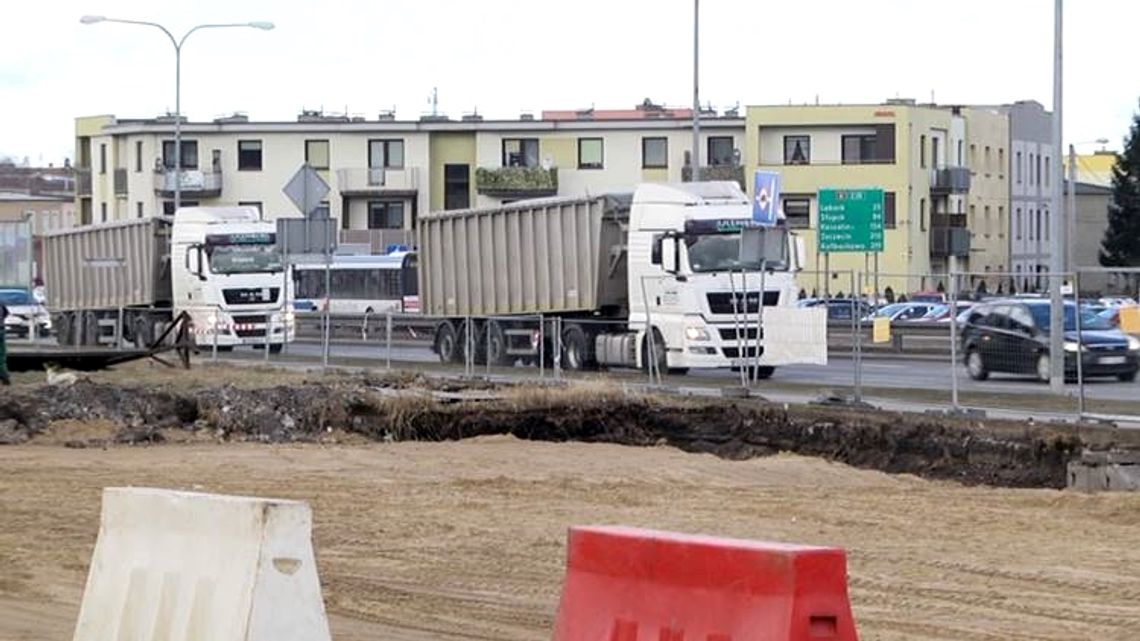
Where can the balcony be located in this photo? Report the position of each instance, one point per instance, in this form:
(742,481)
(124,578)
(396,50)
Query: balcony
(196,183)
(516,182)
(83,181)
(120,182)
(372,181)
(950,180)
(716,172)
(947,240)
(378,240)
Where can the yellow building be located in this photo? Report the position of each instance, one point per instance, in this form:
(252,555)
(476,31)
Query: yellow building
(1094,168)
(914,153)
(987,134)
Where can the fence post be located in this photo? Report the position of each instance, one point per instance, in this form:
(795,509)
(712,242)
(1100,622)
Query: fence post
(857,334)
(487,348)
(118,330)
(541,346)
(268,335)
(954,333)
(557,350)
(388,342)
(1080,348)
(214,330)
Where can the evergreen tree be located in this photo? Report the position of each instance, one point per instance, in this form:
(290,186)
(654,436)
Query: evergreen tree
(1121,244)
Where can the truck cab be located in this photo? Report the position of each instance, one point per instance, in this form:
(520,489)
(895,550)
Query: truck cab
(700,270)
(227,274)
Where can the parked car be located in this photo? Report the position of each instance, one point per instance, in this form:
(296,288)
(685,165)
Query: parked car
(927,297)
(901,311)
(839,309)
(23,313)
(1111,315)
(942,313)
(1013,337)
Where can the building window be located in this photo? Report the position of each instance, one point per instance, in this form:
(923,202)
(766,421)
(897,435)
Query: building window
(890,218)
(922,214)
(139,209)
(249,155)
(317,153)
(1001,161)
(797,210)
(1030,169)
(189,154)
(1018,168)
(456,186)
(1046,230)
(972,223)
(102,159)
(654,153)
(1017,223)
(973,156)
(138,155)
(721,150)
(103,212)
(797,150)
(922,151)
(251,203)
(385,214)
(1038,167)
(591,153)
(1047,172)
(959,163)
(386,154)
(859,149)
(520,152)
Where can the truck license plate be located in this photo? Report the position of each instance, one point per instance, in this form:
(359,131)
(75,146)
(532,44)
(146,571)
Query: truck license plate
(1111,360)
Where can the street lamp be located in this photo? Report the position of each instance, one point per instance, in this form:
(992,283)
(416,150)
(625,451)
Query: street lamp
(178,42)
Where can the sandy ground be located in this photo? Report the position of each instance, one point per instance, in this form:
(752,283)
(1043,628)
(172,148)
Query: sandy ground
(465,540)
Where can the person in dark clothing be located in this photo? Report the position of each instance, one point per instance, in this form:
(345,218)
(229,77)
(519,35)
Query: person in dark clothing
(4,378)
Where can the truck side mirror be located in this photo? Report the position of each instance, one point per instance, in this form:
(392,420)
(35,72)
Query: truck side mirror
(800,252)
(655,250)
(670,260)
(194,261)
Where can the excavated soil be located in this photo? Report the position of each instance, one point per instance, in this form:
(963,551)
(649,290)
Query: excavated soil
(90,413)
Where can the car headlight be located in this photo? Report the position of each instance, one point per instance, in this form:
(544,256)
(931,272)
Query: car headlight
(1134,343)
(696,334)
(1072,346)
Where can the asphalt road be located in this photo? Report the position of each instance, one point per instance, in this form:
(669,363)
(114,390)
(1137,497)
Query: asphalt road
(878,372)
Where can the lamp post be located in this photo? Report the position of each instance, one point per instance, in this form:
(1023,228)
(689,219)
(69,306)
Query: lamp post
(1071,204)
(177,42)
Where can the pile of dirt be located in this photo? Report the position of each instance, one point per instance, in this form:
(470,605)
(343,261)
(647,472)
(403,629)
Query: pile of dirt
(406,409)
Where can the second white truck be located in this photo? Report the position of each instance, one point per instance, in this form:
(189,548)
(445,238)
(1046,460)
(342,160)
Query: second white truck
(654,277)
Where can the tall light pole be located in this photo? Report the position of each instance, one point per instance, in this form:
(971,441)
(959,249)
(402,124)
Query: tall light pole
(1056,226)
(1071,204)
(177,42)
(695,160)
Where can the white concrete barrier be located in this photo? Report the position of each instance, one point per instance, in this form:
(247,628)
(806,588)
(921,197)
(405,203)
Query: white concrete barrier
(182,566)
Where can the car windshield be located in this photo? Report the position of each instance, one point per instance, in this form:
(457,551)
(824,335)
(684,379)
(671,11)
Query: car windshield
(890,309)
(15,297)
(1089,319)
(244,259)
(720,252)
(938,310)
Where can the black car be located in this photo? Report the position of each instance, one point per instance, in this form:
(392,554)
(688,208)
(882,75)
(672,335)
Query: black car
(1012,336)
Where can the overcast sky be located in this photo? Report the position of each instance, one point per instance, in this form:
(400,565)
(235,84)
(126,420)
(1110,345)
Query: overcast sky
(505,56)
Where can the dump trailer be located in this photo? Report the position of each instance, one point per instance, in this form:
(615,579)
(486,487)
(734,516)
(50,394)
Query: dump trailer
(668,276)
(128,280)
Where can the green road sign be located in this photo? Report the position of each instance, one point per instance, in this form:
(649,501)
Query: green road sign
(850,220)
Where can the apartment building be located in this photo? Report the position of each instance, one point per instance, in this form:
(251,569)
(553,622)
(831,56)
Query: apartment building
(915,153)
(1031,155)
(383,172)
(989,199)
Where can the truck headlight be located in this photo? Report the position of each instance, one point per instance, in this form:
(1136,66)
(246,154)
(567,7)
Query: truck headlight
(1072,346)
(212,320)
(1134,344)
(694,333)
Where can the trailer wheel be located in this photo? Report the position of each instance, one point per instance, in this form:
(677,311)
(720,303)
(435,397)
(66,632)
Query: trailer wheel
(64,328)
(576,352)
(142,330)
(447,343)
(495,344)
(89,329)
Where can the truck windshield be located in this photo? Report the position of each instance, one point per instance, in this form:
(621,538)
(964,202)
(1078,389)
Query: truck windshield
(244,259)
(720,252)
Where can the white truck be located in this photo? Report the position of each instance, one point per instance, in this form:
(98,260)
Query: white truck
(672,273)
(128,280)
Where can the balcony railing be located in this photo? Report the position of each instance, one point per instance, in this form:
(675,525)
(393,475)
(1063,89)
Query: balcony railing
(716,172)
(949,241)
(195,183)
(375,180)
(378,240)
(950,180)
(83,181)
(516,182)
(120,182)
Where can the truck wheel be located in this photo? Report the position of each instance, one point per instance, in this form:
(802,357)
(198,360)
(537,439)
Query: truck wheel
(576,352)
(64,329)
(495,344)
(660,360)
(447,343)
(142,331)
(275,348)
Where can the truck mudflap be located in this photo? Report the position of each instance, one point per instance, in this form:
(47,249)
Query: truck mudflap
(795,336)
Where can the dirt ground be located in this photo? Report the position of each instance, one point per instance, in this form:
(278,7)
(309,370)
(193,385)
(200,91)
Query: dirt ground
(465,539)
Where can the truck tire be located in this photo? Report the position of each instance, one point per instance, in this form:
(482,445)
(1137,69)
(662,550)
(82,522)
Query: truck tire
(576,348)
(142,330)
(447,343)
(494,344)
(64,328)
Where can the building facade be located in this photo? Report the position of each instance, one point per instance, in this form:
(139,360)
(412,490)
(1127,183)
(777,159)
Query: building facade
(988,207)
(382,173)
(914,153)
(1031,155)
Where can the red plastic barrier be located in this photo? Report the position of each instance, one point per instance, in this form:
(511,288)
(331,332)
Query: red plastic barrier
(626,584)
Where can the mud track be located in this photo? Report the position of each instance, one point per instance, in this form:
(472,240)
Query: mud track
(971,452)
